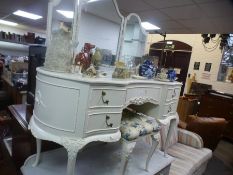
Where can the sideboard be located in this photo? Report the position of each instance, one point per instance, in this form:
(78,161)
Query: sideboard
(73,111)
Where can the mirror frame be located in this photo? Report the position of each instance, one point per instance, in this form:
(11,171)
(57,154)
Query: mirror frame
(127,18)
(76,22)
(121,25)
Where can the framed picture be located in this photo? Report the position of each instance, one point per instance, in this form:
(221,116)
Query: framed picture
(208,67)
(196,66)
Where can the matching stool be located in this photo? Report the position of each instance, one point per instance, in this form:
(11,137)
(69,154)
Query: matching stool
(133,128)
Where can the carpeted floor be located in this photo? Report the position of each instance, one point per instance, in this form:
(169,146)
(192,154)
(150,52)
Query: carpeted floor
(217,167)
(222,160)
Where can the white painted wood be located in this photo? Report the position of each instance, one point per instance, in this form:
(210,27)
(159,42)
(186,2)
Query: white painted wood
(69,111)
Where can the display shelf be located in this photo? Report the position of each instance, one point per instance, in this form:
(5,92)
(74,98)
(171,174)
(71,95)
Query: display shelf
(13,46)
(12,41)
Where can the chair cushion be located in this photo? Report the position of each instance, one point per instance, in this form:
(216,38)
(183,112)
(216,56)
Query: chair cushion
(134,126)
(188,158)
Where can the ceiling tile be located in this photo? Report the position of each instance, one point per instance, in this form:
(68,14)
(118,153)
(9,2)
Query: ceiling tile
(169,24)
(223,25)
(158,4)
(177,31)
(218,9)
(133,5)
(184,12)
(204,1)
(153,15)
(200,22)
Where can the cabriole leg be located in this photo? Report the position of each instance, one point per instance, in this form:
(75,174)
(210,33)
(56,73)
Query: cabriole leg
(38,151)
(155,143)
(127,148)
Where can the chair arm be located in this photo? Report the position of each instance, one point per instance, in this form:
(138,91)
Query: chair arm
(189,138)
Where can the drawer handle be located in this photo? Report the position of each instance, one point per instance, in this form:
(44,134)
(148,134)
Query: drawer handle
(104,101)
(174,94)
(106,121)
(170,109)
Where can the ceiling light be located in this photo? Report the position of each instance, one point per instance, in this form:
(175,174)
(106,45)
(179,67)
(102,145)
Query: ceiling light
(149,26)
(169,42)
(92,1)
(9,23)
(67,14)
(27,15)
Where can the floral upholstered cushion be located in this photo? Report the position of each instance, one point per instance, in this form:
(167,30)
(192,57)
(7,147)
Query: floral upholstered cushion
(134,126)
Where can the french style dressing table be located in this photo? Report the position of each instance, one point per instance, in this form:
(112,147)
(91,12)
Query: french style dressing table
(74,111)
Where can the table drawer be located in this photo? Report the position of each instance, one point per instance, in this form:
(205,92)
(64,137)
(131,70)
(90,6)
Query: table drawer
(170,108)
(101,123)
(106,97)
(173,94)
(146,93)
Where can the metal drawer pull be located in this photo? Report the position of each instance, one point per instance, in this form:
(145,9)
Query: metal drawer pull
(170,109)
(104,101)
(106,121)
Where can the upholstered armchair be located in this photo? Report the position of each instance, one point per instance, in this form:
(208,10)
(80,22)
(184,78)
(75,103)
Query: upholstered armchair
(187,149)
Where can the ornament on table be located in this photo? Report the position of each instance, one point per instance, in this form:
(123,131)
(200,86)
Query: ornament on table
(90,72)
(147,69)
(97,58)
(59,54)
(120,71)
(171,74)
(83,59)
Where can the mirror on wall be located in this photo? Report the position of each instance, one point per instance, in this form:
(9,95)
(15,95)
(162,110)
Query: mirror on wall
(134,42)
(100,26)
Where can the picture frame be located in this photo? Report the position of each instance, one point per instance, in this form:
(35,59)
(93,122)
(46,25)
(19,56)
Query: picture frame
(196,65)
(208,67)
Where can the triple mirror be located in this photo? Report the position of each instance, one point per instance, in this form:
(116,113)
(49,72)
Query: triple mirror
(72,24)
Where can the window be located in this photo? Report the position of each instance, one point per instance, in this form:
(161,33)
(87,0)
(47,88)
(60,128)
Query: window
(225,73)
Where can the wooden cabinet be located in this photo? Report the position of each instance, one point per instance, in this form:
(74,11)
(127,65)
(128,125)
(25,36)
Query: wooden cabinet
(216,104)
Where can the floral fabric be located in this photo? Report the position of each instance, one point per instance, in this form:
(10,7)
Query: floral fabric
(133,127)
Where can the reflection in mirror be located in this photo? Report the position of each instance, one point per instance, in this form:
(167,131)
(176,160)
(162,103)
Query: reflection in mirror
(100,28)
(133,46)
(59,54)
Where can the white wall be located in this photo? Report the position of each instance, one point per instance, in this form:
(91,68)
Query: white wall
(98,31)
(199,54)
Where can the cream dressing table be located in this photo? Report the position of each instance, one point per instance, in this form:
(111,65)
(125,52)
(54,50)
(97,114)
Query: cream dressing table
(74,111)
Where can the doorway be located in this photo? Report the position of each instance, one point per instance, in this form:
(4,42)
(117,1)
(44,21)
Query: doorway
(175,54)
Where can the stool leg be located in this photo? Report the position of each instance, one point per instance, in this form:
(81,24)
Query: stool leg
(127,148)
(72,156)
(155,143)
(38,151)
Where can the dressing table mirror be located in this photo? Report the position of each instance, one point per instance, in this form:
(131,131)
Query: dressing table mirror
(134,42)
(101,25)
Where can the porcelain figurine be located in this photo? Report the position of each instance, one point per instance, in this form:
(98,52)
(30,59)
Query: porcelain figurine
(97,58)
(147,69)
(171,74)
(120,71)
(83,59)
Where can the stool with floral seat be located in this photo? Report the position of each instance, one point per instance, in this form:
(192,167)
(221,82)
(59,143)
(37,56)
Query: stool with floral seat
(135,127)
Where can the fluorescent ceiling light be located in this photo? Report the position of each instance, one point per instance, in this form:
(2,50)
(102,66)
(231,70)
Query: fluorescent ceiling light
(27,15)
(92,1)
(67,14)
(149,26)
(9,23)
